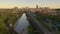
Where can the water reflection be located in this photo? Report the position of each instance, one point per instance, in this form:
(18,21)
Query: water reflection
(21,24)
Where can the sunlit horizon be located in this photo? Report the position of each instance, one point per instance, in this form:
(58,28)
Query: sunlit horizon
(30,6)
(29,3)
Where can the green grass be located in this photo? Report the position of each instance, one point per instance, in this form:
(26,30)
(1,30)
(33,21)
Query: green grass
(31,30)
(51,17)
(57,32)
(3,28)
(8,17)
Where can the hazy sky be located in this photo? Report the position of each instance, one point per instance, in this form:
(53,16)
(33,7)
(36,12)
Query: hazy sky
(29,3)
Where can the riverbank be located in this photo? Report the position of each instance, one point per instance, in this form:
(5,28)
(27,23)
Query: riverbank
(6,19)
(31,28)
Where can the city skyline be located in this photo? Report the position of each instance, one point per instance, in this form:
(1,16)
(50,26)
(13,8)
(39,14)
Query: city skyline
(29,3)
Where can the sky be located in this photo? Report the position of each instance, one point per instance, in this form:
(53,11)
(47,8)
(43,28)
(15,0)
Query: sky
(29,3)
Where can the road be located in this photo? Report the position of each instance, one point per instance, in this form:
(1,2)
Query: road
(43,28)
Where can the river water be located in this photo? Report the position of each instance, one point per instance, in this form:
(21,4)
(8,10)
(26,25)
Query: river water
(21,25)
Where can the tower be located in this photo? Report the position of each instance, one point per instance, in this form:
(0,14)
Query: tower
(36,6)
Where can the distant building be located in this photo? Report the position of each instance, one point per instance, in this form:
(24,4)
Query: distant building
(36,6)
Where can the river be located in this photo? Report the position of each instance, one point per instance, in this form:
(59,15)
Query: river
(21,25)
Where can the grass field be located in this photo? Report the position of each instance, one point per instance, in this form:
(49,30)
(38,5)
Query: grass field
(8,17)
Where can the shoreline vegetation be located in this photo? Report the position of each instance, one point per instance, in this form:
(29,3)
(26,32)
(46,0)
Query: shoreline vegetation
(8,17)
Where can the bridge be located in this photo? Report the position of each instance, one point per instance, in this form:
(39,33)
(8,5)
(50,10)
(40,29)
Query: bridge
(37,24)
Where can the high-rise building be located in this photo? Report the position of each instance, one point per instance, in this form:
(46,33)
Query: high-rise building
(36,6)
